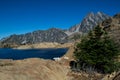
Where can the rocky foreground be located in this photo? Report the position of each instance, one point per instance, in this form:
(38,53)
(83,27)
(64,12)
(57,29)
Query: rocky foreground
(32,69)
(40,69)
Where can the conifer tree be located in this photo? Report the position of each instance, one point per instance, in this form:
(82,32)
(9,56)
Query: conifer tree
(98,51)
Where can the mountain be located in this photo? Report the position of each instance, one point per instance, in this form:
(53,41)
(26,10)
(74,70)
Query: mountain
(88,23)
(50,35)
(57,35)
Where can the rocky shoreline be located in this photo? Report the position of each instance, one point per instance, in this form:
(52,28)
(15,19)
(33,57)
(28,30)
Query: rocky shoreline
(45,45)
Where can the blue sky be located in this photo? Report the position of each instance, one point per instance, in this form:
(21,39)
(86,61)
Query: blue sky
(22,16)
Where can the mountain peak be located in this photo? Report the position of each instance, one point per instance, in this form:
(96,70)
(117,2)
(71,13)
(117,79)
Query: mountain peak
(89,22)
(99,12)
(90,14)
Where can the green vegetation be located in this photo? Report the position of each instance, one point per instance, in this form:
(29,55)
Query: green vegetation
(97,52)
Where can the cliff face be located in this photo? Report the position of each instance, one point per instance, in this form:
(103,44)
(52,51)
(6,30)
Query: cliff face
(51,35)
(89,22)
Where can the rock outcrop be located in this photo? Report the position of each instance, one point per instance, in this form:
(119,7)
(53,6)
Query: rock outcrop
(88,23)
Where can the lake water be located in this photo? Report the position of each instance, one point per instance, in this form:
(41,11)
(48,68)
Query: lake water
(16,54)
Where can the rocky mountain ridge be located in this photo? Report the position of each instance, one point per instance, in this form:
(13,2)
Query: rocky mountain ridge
(50,35)
(89,22)
(57,35)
